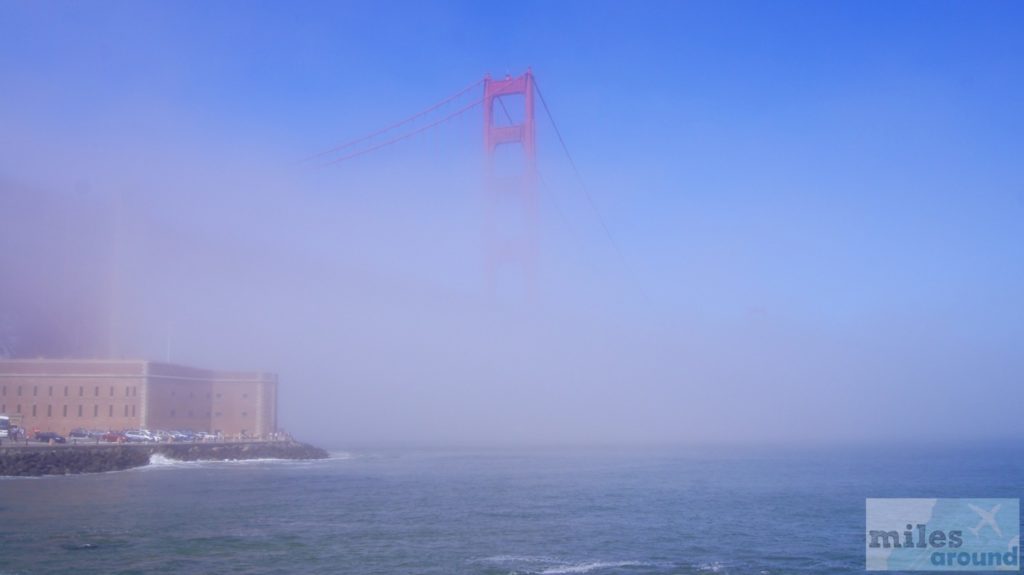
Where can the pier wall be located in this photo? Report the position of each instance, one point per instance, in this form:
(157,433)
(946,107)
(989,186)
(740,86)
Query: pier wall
(34,460)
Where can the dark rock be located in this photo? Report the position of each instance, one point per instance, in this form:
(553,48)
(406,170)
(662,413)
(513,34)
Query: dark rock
(37,460)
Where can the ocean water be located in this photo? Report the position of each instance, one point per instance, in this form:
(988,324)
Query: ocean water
(497,512)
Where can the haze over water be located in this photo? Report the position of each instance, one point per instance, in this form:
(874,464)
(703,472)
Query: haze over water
(813,215)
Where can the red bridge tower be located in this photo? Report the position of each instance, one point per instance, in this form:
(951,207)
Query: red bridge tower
(519,246)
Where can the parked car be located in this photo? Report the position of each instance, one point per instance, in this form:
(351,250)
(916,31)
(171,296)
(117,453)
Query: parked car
(137,436)
(48,436)
(113,437)
(78,434)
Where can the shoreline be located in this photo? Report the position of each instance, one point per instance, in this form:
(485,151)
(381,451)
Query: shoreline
(71,459)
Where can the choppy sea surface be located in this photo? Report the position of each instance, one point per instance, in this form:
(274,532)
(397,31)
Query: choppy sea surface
(498,512)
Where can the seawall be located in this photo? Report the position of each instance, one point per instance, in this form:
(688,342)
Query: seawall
(35,460)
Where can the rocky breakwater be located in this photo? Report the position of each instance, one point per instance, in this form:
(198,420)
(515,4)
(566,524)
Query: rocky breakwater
(232,451)
(31,460)
(35,460)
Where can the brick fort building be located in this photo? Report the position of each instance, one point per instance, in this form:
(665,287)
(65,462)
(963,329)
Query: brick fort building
(61,395)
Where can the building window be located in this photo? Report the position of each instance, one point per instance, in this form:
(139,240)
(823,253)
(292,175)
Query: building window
(133,411)
(126,411)
(33,410)
(79,411)
(127,391)
(65,391)
(111,391)
(51,391)
(95,411)
(35,391)
(65,411)
(110,411)
(245,396)
(245,414)
(3,408)
(19,391)
(172,413)
(217,414)
(5,391)
(218,396)
(49,411)
(135,391)
(96,392)
(19,408)
(81,390)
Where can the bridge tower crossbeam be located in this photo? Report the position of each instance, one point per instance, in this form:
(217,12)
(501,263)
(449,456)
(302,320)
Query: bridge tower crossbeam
(521,249)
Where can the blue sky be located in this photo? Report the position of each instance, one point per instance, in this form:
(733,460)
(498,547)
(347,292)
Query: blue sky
(784,179)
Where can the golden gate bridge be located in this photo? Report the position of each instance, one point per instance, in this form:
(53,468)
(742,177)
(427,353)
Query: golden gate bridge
(500,130)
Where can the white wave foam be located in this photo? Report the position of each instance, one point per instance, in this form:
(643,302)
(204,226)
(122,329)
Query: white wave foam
(552,566)
(516,559)
(21,478)
(158,460)
(161,461)
(589,566)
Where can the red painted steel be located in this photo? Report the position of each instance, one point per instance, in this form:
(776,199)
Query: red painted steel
(521,249)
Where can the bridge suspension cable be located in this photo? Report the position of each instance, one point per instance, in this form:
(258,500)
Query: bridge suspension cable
(576,170)
(404,136)
(624,262)
(394,126)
